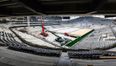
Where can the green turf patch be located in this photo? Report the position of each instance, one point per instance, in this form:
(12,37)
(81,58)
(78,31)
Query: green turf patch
(78,39)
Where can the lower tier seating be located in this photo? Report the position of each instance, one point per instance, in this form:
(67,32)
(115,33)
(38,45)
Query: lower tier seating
(93,54)
(37,51)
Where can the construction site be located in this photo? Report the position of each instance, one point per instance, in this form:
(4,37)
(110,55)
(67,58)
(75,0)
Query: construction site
(57,33)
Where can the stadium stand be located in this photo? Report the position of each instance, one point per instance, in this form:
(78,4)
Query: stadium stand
(7,39)
(92,54)
(37,51)
(85,54)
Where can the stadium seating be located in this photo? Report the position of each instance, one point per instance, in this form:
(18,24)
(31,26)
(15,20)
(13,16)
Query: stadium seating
(96,41)
(37,51)
(85,54)
(92,42)
(7,39)
(92,54)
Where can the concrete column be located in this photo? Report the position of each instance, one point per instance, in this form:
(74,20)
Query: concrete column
(28,21)
(64,60)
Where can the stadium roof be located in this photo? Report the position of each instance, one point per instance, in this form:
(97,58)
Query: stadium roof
(56,7)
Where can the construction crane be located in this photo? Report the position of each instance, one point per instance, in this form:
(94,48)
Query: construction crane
(43,33)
